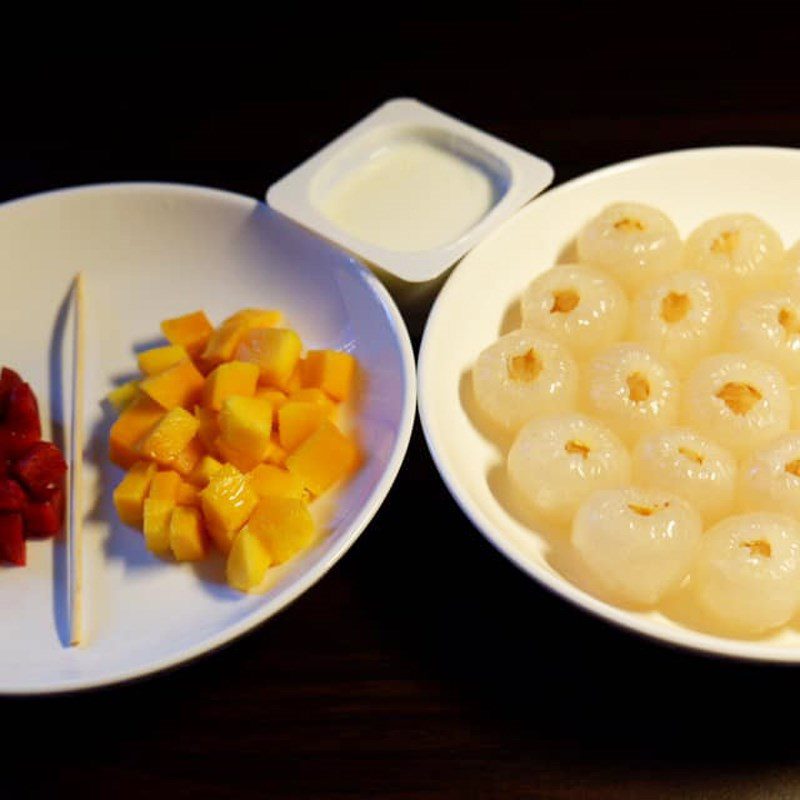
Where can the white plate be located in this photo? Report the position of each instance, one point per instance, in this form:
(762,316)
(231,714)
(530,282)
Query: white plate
(480,299)
(152,251)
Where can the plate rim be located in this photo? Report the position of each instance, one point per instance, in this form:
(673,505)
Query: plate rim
(305,580)
(687,639)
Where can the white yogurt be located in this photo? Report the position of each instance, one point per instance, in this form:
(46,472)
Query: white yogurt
(409,190)
(410,195)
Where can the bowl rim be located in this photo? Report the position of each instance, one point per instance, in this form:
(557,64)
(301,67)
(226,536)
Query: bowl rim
(682,637)
(318,568)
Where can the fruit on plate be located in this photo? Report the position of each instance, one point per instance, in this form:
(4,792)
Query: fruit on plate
(227,438)
(662,464)
(31,472)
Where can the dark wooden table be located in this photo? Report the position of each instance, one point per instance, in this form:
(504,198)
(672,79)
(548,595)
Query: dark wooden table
(424,664)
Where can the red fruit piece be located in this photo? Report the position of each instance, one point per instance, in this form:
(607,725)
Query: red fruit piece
(14,444)
(20,428)
(8,380)
(44,519)
(12,539)
(12,498)
(41,470)
(22,411)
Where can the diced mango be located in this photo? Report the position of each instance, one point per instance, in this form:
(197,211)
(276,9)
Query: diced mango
(178,385)
(209,427)
(297,421)
(329,370)
(188,495)
(245,425)
(165,486)
(275,397)
(157,359)
(227,503)
(235,378)
(322,459)
(188,458)
(274,350)
(123,395)
(129,496)
(283,524)
(248,562)
(187,534)
(295,382)
(135,422)
(268,480)
(191,331)
(276,455)
(224,340)
(313,396)
(206,468)
(244,462)
(257,317)
(222,343)
(157,514)
(170,436)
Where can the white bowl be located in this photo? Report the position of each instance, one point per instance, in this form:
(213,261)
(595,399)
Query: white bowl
(151,251)
(479,300)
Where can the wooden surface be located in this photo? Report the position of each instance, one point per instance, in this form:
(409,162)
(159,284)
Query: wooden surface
(424,664)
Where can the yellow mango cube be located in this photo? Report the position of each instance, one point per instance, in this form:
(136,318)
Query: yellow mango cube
(275,397)
(248,562)
(222,343)
(165,486)
(191,331)
(295,382)
(188,495)
(274,350)
(297,421)
(234,379)
(245,424)
(129,496)
(329,370)
(123,395)
(227,503)
(157,359)
(276,455)
(185,462)
(268,480)
(284,525)
(224,340)
(134,423)
(170,436)
(324,458)
(178,385)
(313,396)
(244,462)
(206,468)
(209,427)
(157,515)
(187,534)
(257,318)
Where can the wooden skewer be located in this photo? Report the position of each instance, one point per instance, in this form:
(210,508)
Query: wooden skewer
(75,514)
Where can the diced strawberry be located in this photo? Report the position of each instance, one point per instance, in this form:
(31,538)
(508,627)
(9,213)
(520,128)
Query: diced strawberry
(41,470)
(12,498)
(44,519)
(12,539)
(14,444)
(8,380)
(22,412)
(19,412)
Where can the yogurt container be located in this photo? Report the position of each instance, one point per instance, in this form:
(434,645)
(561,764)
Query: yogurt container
(410,190)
